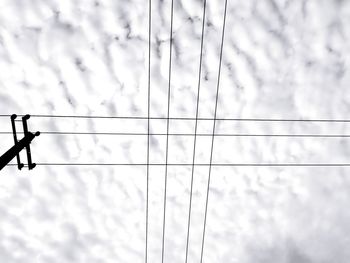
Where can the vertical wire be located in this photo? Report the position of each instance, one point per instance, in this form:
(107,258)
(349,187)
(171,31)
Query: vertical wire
(195,132)
(148,121)
(167,131)
(213,134)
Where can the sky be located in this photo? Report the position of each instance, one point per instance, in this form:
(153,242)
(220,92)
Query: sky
(280,60)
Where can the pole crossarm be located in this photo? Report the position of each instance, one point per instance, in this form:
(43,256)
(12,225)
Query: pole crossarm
(18,146)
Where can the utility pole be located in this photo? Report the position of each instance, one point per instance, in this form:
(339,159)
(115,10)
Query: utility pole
(19,145)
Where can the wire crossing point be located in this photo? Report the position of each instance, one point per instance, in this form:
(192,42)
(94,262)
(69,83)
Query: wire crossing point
(14,151)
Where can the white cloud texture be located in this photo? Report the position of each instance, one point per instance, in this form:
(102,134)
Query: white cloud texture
(281,59)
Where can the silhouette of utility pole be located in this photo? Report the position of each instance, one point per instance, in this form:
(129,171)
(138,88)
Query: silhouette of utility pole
(19,145)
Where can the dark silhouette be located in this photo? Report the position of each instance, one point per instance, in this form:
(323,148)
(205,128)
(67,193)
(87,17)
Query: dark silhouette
(19,145)
(13,117)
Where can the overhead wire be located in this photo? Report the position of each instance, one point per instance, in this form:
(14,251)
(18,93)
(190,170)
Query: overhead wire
(214,125)
(148,123)
(191,134)
(195,132)
(167,129)
(198,164)
(183,118)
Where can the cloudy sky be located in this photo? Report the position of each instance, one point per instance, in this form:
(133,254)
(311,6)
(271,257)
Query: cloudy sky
(281,59)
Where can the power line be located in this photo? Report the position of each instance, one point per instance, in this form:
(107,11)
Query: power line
(195,132)
(212,141)
(148,120)
(200,164)
(184,118)
(167,129)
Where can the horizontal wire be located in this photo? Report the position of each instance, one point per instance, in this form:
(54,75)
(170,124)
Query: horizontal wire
(192,134)
(183,118)
(201,164)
